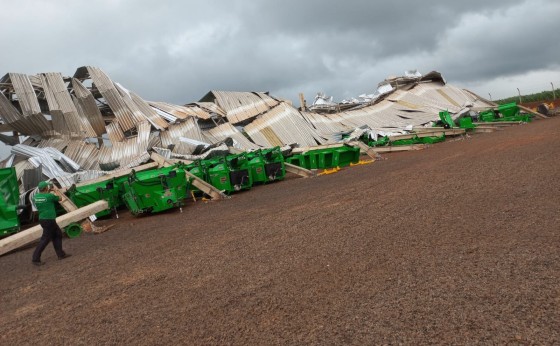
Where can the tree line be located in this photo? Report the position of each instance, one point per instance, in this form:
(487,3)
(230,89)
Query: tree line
(541,96)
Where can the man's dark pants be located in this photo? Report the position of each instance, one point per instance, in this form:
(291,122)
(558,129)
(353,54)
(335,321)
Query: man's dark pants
(51,231)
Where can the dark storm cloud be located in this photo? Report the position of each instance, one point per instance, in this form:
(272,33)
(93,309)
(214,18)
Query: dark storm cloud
(177,51)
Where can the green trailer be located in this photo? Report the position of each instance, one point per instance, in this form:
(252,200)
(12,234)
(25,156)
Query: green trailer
(156,190)
(9,221)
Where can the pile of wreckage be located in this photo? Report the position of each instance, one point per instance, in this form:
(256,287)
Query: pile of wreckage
(87,129)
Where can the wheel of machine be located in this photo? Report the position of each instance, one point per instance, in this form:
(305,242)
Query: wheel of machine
(73,230)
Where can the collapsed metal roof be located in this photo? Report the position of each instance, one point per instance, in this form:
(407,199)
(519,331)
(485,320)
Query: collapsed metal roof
(86,125)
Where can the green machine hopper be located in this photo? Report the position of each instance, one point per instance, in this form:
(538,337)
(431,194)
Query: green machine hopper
(230,173)
(106,190)
(9,221)
(505,112)
(326,158)
(337,157)
(156,190)
(266,165)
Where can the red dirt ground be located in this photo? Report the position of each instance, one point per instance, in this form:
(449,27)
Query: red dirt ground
(455,244)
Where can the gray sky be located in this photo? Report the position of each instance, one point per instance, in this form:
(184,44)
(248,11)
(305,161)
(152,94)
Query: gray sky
(176,51)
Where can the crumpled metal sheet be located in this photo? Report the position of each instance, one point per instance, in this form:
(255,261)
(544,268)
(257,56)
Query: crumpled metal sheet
(325,125)
(240,106)
(86,106)
(125,116)
(31,121)
(123,153)
(84,154)
(283,125)
(53,162)
(140,108)
(180,112)
(227,130)
(188,128)
(65,117)
(209,107)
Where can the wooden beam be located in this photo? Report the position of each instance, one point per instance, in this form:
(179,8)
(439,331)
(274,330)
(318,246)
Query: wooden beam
(498,123)
(203,186)
(32,234)
(366,149)
(438,131)
(397,148)
(303,172)
(324,146)
(529,110)
(69,206)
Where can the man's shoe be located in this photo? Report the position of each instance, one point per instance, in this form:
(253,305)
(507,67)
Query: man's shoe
(37,263)
(66,255)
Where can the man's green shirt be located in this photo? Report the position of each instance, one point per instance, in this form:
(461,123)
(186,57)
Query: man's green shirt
(46,205)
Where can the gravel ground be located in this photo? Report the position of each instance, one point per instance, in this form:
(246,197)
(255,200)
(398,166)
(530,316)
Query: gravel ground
(455,244)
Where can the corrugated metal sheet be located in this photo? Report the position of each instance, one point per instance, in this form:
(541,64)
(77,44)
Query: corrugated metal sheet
(140,108)
(126,118)
(325,125)
(209,107)
(25,94)
(66,119)
(227,130)
(281,126)
(381,115)
(125,152)
(240,106)
(181,112)
(188,128)
(114,132)
(85,154)
(86,106)
(165,115)
(32,120)
(58,143)
(43,158)
(8,113)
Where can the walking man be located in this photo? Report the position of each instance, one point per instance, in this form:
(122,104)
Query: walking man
(46,203)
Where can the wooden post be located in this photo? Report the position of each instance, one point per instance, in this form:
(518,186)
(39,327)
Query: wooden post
(69,206)
(302,102)
(365,149)
(397,148)
(299,170)
(32,234)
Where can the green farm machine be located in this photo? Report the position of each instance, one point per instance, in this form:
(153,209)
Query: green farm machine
(9,221)
(266,165)
(87,194)
(326,158)
(155,190)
